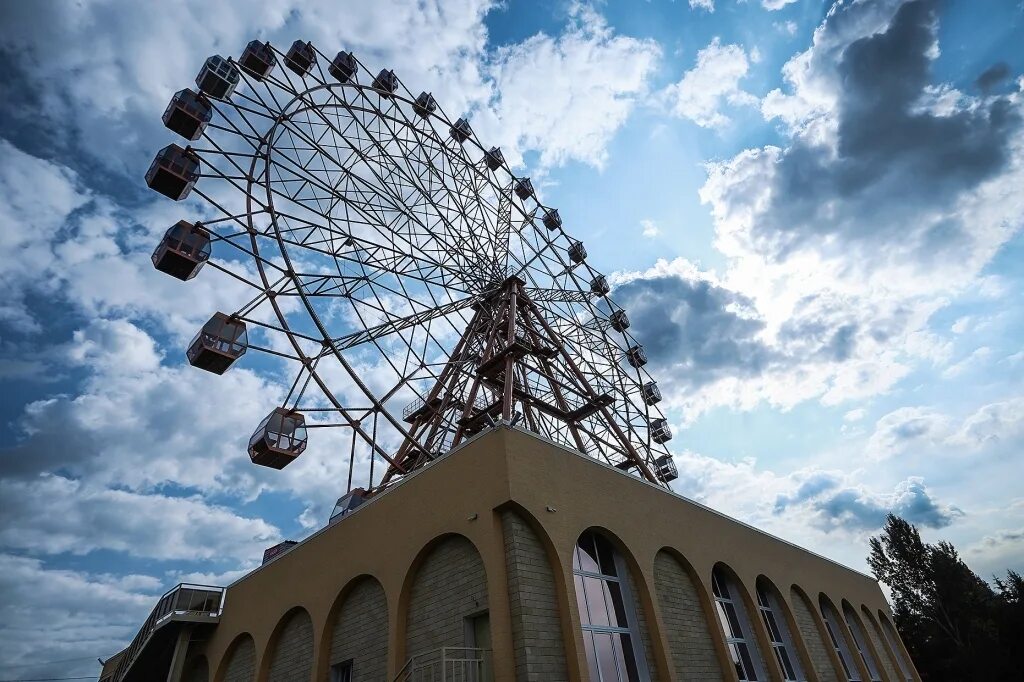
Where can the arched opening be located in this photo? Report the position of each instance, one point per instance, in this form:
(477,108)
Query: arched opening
(817,649)
(239,665)
(772,609)
(838,640)
(737,628)
(291,648)
(534,601)
(358,627)
(683,602)
(608,610)
(447,602)
(888,661)
(860,641)
(893,639)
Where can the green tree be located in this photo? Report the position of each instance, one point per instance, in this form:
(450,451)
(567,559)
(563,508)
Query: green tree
(950,619)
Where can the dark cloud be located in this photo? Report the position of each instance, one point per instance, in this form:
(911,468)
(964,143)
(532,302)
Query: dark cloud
(854,509)
(993,76)
(694,328)
(893,156)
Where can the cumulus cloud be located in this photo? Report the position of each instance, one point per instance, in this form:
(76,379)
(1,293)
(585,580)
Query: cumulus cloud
(774,5)
(649,229)
(706,5)
(920,429)
(712,83)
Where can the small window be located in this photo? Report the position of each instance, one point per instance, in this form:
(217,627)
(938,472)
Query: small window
(778,633)
(735,625)
(342,672)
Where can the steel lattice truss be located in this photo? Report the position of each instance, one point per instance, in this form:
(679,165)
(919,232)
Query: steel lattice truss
(415,286)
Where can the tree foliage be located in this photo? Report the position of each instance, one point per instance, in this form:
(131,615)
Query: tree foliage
(955,625)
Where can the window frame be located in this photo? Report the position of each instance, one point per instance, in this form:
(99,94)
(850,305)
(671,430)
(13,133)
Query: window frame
(768,605)
(632,629)
(840,645)
(342,672)
(857,633)
(745,643)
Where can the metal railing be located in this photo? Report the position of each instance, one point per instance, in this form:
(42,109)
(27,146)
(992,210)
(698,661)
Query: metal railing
(183,601)
(448,664)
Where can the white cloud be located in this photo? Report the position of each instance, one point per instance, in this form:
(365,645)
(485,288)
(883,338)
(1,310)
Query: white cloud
(977,356)
(990,424)
(854,415)
(53,515)
(774,5)
(565,95)
(710,84)
(649,229)
(706,5)
(928,431)
(908,428)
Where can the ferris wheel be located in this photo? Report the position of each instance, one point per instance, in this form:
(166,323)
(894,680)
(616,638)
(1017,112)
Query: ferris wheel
(416,290)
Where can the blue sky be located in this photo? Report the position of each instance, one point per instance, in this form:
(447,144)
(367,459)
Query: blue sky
(812,213)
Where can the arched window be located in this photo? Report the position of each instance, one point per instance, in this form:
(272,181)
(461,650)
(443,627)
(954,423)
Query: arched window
(860,641)
(778,632)
(838,642)
(610,631)
(735,625)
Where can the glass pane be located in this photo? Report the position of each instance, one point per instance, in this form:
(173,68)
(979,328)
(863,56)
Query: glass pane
(785,663)
(762,598)
(734,619)
(734,653)
(606,555)
(618,610)
(773,629)
(588,644)
(748,665)
(726,627)
(606,657)
(596,601)
(624,648)
(581,601)
(587,554)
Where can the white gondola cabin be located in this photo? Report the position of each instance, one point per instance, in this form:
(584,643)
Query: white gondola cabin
(218,78)
(188,114)
(300,58)
(652,394)
(183,251)
(258,59)
(279,439)
(220,342)
(660,431)
(173,172)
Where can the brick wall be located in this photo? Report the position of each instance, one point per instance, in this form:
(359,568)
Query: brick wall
(449,585)
(361,632)
(883,657)
(241,665)
(536,626)
(816,646)
(292,657)
(686,624)
(893,639)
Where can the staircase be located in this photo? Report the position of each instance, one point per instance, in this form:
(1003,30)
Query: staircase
(185,603)
(449,664)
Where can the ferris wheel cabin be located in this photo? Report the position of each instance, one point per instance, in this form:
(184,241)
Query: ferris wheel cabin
(344,67)
(220,342)
(300,58)
(619,320)
(577,252)
(173,172)
(218,78)
(424,105)
(188,114)
(552,220)
(386,83)
(660,431)
(494,158)
(461,131)
(636,356)
(523,188)
(279,439)
(258,59)
(183,251)
(599,285)
(652,394)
